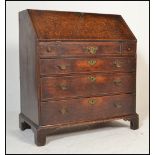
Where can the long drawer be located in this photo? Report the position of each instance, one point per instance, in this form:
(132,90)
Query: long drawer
(86,109)
(86,85)
(86,65)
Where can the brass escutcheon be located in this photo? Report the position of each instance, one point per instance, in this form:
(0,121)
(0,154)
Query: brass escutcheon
(63,86)
(91,50)
(129,49)
(117,105)
(62,67)
(49,49)
(91,62)
(63,111)
(92,101)
(117,82)
(92,78)
(117,64)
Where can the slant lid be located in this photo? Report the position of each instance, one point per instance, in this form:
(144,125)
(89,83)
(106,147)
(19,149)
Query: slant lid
(59,25)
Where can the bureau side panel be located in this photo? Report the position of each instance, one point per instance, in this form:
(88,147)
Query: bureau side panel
(28,72)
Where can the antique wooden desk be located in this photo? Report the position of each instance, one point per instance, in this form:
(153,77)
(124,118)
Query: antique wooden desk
(77,70)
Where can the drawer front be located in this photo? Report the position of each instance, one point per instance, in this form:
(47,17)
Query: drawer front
(86,109)
(71,49)
(86,85)
(82,65)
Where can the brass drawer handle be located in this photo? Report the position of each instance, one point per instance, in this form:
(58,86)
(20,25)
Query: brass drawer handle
(92,78)
(91,50)
(117,64)
(92,101)
(49,49)
(117,105)
(91,62)
(63,111)
(129,49)
(117,82)
(62,67)
(63,86)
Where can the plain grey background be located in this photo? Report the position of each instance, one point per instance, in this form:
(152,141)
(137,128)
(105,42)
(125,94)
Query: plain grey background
(114,137)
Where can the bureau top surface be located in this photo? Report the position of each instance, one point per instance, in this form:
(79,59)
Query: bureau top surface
(59,25)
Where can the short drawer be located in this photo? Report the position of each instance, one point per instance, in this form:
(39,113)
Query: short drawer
(86,85)
(86,65)
(86,109)
(129,48)
(75,49)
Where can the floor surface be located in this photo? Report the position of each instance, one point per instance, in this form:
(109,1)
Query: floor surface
(115,138)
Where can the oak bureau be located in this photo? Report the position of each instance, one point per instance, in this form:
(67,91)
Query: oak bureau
(77,71)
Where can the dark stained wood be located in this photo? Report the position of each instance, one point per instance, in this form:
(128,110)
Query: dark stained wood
(83,65)
(80,110)
(134,121)
(28,69)
(23,125)
(56,25)
(79,49)
(40,137)
(77,71)
(71,49)
(129,48)
(83,86)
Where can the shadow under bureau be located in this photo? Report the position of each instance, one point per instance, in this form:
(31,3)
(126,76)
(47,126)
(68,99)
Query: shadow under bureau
(77,71)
